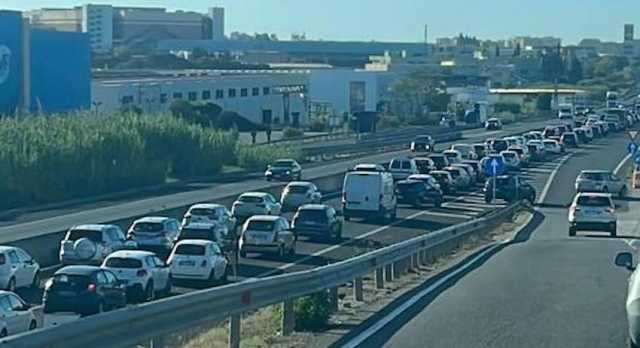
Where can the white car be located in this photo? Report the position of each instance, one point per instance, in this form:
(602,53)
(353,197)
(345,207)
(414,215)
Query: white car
(469,170)
(461,179)
(465,150)
(453,156)
(298,193)
(267,234)
(402,167)
(511,160)
(90,244)
(592,212)
(625,259)
(18,269)
(210,213)
(587,131)
(197,259)
(552,146)
(536,134)
(255,203)
(523,154)
(16,315)
(142,272)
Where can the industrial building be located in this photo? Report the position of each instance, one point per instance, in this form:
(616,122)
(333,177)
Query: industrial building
(109,26)
(42,70)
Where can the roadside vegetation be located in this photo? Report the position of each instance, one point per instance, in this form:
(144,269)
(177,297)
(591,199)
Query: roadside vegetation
(47,159)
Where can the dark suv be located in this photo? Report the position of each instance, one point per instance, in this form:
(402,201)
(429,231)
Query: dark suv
(510,188)
(416,193)
(318,220)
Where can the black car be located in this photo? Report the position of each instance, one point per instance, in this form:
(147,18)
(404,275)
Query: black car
(284,169)
(416,193)
(493,124)
(440,161)
(84,290)
(318,220)
(498,145)
(423,143)
(569,139)
(510,188)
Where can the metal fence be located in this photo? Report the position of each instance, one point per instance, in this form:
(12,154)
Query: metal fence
(138,323)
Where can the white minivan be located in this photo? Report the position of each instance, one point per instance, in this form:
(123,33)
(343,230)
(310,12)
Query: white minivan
(369,194)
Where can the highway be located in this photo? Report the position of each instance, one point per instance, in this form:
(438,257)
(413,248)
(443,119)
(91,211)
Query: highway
(542,290)
(363,236)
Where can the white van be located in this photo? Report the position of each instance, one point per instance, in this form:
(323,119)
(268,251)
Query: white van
(369,194)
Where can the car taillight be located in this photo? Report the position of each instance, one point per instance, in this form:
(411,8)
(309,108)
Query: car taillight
(204,263)
(141,273)
(610,210)
(91,287)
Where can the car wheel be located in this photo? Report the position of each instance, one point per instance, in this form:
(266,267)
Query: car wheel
(3,333)
(99,308)
(281,252)
(11,286)
(225,276)
(347,217)
(438,203)
(33,325)
(292,250)
(623,192)
(243,253)
(605,189)
(632,345)
(149,292)
(614,229)
(167,288)
(35,283)
(572,231)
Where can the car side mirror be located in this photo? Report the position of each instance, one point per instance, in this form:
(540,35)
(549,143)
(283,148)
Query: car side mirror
(625,260)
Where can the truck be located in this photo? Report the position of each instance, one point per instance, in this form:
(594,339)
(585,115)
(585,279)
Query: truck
(565,112)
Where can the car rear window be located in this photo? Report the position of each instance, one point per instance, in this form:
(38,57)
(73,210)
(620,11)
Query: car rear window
(203,212)
(312,215)
(518,151)
(592,176)
(283,164)
(147,227)
(509,155)
(406,165)
(594,201)
(250,199)
(72,281)
(190,249)
(298,189)
(409,185)
(195,233)
(438,159)
(123,262)
(94,236)
(261,225)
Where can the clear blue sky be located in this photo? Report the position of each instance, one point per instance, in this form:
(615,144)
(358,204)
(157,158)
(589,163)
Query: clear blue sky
(403,20)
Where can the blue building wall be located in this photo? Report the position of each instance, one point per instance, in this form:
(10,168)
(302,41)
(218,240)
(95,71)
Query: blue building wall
(60,71)
(10,60)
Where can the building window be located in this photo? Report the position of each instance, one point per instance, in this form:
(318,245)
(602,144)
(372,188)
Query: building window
(219,93)
(127,99)
(232,92)
(206,95)
(266,90)
(163,98)
(193,96)
(177,95)
(255,91)
(244,92)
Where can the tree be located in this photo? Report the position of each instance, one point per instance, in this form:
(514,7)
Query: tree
(543,103)
(575,72)
(553,68)
(418,94)
(608,65)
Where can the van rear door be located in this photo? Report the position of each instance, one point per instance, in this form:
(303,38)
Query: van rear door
(361,191)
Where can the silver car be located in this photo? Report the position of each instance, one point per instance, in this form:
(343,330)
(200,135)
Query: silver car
(155,233)
(600,181)
(592,212)
(90,244)
(298,193)
(267,234)
(632,304)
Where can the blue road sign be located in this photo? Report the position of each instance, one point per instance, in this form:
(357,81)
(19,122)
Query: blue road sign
(494,167)
(636,158)
(632,147)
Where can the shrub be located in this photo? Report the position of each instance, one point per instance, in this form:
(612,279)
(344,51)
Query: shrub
(258,157)
(317,126)
(312,312)
(292,133)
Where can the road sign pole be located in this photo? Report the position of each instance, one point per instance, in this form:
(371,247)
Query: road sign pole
(495,204)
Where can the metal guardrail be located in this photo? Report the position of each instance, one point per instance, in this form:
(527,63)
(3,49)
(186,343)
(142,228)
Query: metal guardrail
(138,323)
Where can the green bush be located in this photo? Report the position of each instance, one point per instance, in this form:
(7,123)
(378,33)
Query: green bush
(258,157)
(292,133)
(312,312)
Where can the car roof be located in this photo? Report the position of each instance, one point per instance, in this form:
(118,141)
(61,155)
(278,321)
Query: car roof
(265,218)
(202,242)
(493,119)
(133,254)
(206,206)
(254,194)
(199,225)
(91,227)
(595,171)
(420,176)
(409,181)
(78,270)
(300,183)
(285,160)
(313,207)
(594,194)
(439,172)
(153,219)
(4,248)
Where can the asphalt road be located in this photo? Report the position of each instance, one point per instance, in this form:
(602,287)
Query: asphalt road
(543,290)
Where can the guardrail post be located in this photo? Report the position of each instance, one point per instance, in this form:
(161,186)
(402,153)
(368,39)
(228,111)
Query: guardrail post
(157,342)
(234,331)
(333,299)
(397,269)
(414,261)
(357,289)
(422,257)
(379,278)
(288,317)
(388,273)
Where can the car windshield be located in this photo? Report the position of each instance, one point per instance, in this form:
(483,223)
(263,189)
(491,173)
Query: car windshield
(315,215)
(299,189)
(203,212)
(261,225)
(284,164)
(592,176)
(439,160)
(440,176)
(509,155)
(123,262)
(594,201)
(148,227)
(94,236)
(250,199)
(190,249)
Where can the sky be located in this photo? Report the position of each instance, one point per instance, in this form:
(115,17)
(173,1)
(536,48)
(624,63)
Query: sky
(404,20)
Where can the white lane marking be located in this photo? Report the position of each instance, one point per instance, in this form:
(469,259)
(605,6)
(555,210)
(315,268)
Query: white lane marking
(551,177)
(621,164)
(364,335)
